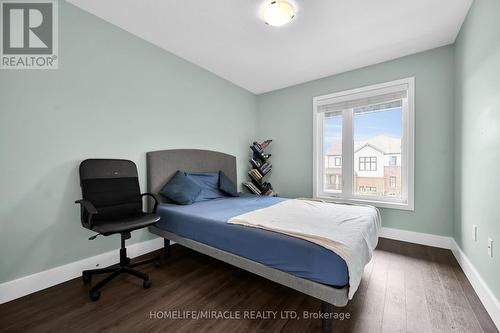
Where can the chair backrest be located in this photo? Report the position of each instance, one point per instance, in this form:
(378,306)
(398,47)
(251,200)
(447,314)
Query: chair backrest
(112,186)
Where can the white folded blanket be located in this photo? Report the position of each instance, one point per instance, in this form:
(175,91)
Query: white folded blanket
(351,231)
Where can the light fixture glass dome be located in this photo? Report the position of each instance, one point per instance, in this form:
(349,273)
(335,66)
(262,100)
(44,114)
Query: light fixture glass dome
(278,13)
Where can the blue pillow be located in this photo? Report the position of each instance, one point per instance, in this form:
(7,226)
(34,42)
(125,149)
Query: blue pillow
(181,189)
(209,183)
(227,186)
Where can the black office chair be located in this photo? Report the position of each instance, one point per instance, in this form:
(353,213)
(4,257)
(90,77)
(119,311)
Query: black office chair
(112,204)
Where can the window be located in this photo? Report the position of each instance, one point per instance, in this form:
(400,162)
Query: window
(333,182)
(336,182)
(370,131)
(330,161)
(367,164)
(334,161)
(392,181)
(368,189)
(332,132)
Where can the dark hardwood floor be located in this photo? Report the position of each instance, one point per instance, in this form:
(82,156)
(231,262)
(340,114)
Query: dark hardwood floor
(405,288)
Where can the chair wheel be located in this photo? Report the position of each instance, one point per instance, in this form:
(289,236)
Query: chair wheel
(157,263)
(94,295)
(146,284)
(86,278)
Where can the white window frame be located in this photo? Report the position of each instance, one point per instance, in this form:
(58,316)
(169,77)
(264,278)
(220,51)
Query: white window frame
(391,184)
(407,147)
(367,161)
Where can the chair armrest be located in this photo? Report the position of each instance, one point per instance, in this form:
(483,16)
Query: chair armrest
(155,197)
(88,208)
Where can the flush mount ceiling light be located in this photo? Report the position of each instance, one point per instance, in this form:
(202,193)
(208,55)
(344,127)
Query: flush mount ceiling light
(278,13)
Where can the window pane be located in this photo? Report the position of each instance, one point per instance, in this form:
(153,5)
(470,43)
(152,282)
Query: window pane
(332,136)
(377,149)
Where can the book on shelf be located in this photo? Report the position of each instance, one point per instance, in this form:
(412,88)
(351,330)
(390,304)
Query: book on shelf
(252,187)
(266,143)
(266,168)
(258,150)
(262,145)
(259,155)
(270,193)
(255,174)
(255,164)
(252,177)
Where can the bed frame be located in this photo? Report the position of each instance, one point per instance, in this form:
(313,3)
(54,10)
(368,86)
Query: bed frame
(162,165)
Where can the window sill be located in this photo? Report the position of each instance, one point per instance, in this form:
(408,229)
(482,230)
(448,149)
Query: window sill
(378,204)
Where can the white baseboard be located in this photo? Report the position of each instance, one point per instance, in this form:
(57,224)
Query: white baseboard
(29,284)
(490,302)
(482,290)
(418,238)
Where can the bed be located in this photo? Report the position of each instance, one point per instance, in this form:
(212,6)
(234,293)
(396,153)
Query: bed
(202,226)
(206,222)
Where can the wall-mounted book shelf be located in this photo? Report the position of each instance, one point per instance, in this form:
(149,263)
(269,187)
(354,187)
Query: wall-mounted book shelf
(260,169)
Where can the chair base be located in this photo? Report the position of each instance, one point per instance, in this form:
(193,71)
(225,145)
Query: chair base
(124,266)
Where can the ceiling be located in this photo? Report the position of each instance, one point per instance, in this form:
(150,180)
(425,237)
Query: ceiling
(326,37)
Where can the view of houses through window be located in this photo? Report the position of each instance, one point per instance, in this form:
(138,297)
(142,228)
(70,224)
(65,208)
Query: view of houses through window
(333,143)
(377,133)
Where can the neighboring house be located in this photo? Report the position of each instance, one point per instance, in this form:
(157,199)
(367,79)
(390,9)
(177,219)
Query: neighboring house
(377,166)
(333,168)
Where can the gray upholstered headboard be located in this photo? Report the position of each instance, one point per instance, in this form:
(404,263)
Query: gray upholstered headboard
(163,164)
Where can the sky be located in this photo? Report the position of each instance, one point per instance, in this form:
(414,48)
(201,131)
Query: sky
(366,125)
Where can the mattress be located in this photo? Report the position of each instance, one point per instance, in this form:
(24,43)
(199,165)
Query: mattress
(206,222)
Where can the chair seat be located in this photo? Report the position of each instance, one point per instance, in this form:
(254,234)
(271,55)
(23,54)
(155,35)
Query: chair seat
(123,225)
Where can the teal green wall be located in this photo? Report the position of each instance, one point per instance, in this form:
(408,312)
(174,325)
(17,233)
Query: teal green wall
(478,138)
(286,116)
(114,95)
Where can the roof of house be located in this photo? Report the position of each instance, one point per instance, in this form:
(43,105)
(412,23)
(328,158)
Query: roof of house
(335,150)
(385,144)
